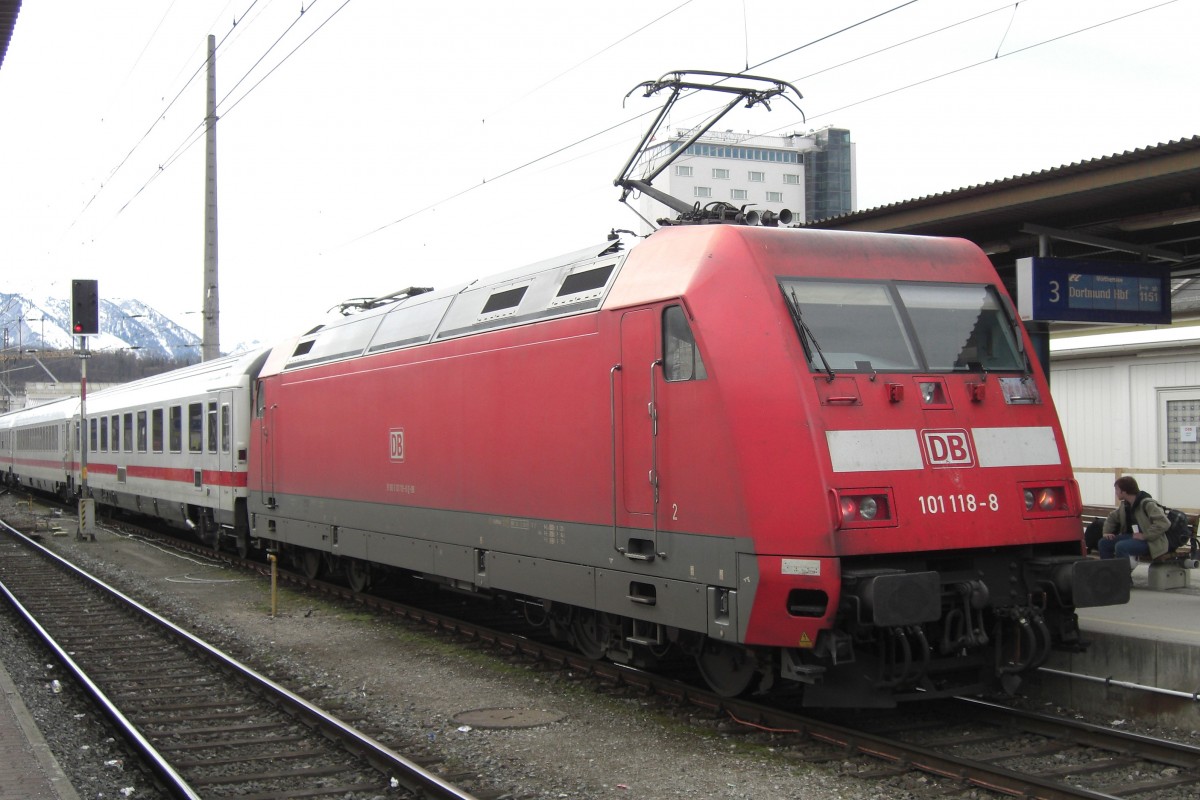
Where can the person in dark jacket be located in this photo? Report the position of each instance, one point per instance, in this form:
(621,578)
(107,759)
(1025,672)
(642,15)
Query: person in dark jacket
(1137,527)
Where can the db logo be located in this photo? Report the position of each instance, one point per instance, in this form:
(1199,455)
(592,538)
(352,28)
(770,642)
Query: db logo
(396,444)
(947,448)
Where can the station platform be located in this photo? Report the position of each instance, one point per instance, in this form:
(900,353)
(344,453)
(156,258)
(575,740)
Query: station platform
(28,770)
(1153,641)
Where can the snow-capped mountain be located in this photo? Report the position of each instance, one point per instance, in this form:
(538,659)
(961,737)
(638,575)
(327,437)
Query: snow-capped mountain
(31,324)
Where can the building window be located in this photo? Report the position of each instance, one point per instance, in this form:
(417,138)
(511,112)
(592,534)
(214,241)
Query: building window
(702,191)
(1179,410)
(790,177)
(757,177)
(682,171)
(738,194)
(774,197)
(720,174)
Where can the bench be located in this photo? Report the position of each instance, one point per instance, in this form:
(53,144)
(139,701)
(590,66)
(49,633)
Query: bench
(1168,571)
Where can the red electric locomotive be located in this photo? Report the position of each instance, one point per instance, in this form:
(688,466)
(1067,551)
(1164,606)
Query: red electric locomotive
(814,459)
(820,457)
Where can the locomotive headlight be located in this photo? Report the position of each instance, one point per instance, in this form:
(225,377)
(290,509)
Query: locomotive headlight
(1046,501)
(864,508)
(868,508)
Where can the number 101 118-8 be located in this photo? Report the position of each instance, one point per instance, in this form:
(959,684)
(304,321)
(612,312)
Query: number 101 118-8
(955,503)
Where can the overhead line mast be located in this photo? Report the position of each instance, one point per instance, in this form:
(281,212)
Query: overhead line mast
(211,345)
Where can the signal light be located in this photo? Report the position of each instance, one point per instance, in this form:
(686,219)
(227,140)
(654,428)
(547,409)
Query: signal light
(85,307)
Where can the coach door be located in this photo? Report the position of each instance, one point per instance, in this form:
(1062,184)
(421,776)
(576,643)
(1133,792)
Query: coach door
(635,493)
(227,455)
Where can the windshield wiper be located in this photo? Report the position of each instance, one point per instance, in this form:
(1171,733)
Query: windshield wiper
(806,334)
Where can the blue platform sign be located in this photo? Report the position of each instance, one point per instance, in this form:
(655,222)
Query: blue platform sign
(1066,290)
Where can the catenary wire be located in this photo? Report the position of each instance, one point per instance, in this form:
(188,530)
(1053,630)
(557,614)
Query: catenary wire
(194,135)
(914,84)
(159,118)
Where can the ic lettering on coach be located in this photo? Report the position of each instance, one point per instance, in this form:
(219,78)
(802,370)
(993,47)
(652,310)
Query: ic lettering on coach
(947,448)
(396,444)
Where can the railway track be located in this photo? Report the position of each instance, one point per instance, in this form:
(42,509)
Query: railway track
(206,725)
(960,745)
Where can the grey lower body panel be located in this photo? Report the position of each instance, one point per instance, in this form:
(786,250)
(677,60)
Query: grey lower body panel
(564,562)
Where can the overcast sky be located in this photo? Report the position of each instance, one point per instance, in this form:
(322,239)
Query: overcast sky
(369,145)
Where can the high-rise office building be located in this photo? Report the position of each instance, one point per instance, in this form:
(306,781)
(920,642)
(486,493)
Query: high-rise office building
(811,174)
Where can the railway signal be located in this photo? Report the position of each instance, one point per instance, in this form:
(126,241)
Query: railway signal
(85,307)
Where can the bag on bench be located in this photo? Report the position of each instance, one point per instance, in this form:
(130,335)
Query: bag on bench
(1180,532)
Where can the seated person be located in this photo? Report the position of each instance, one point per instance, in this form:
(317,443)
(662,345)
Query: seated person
(1137,527)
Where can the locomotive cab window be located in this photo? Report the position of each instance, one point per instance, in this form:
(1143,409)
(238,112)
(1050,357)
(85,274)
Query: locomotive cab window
(681,357)
(880,326)
(961,327)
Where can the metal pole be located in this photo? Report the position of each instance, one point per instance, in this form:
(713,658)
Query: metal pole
(211,347)
(87,527)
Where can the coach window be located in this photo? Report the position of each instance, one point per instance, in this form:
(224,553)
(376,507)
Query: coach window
(141,431)
(681,357)
(196,427)
(127,431)
(156,430)
(226,424)
(104,434)
(116,433)
(175,420)
(94,437)
(212,427)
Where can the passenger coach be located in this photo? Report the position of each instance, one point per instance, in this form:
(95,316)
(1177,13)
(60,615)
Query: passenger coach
(176,446)
(37,448)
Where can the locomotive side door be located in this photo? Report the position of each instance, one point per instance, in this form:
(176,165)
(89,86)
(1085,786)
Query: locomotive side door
(636,496)
(266,413)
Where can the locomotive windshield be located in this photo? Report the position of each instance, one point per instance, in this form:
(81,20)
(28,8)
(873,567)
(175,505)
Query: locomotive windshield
(885,326)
